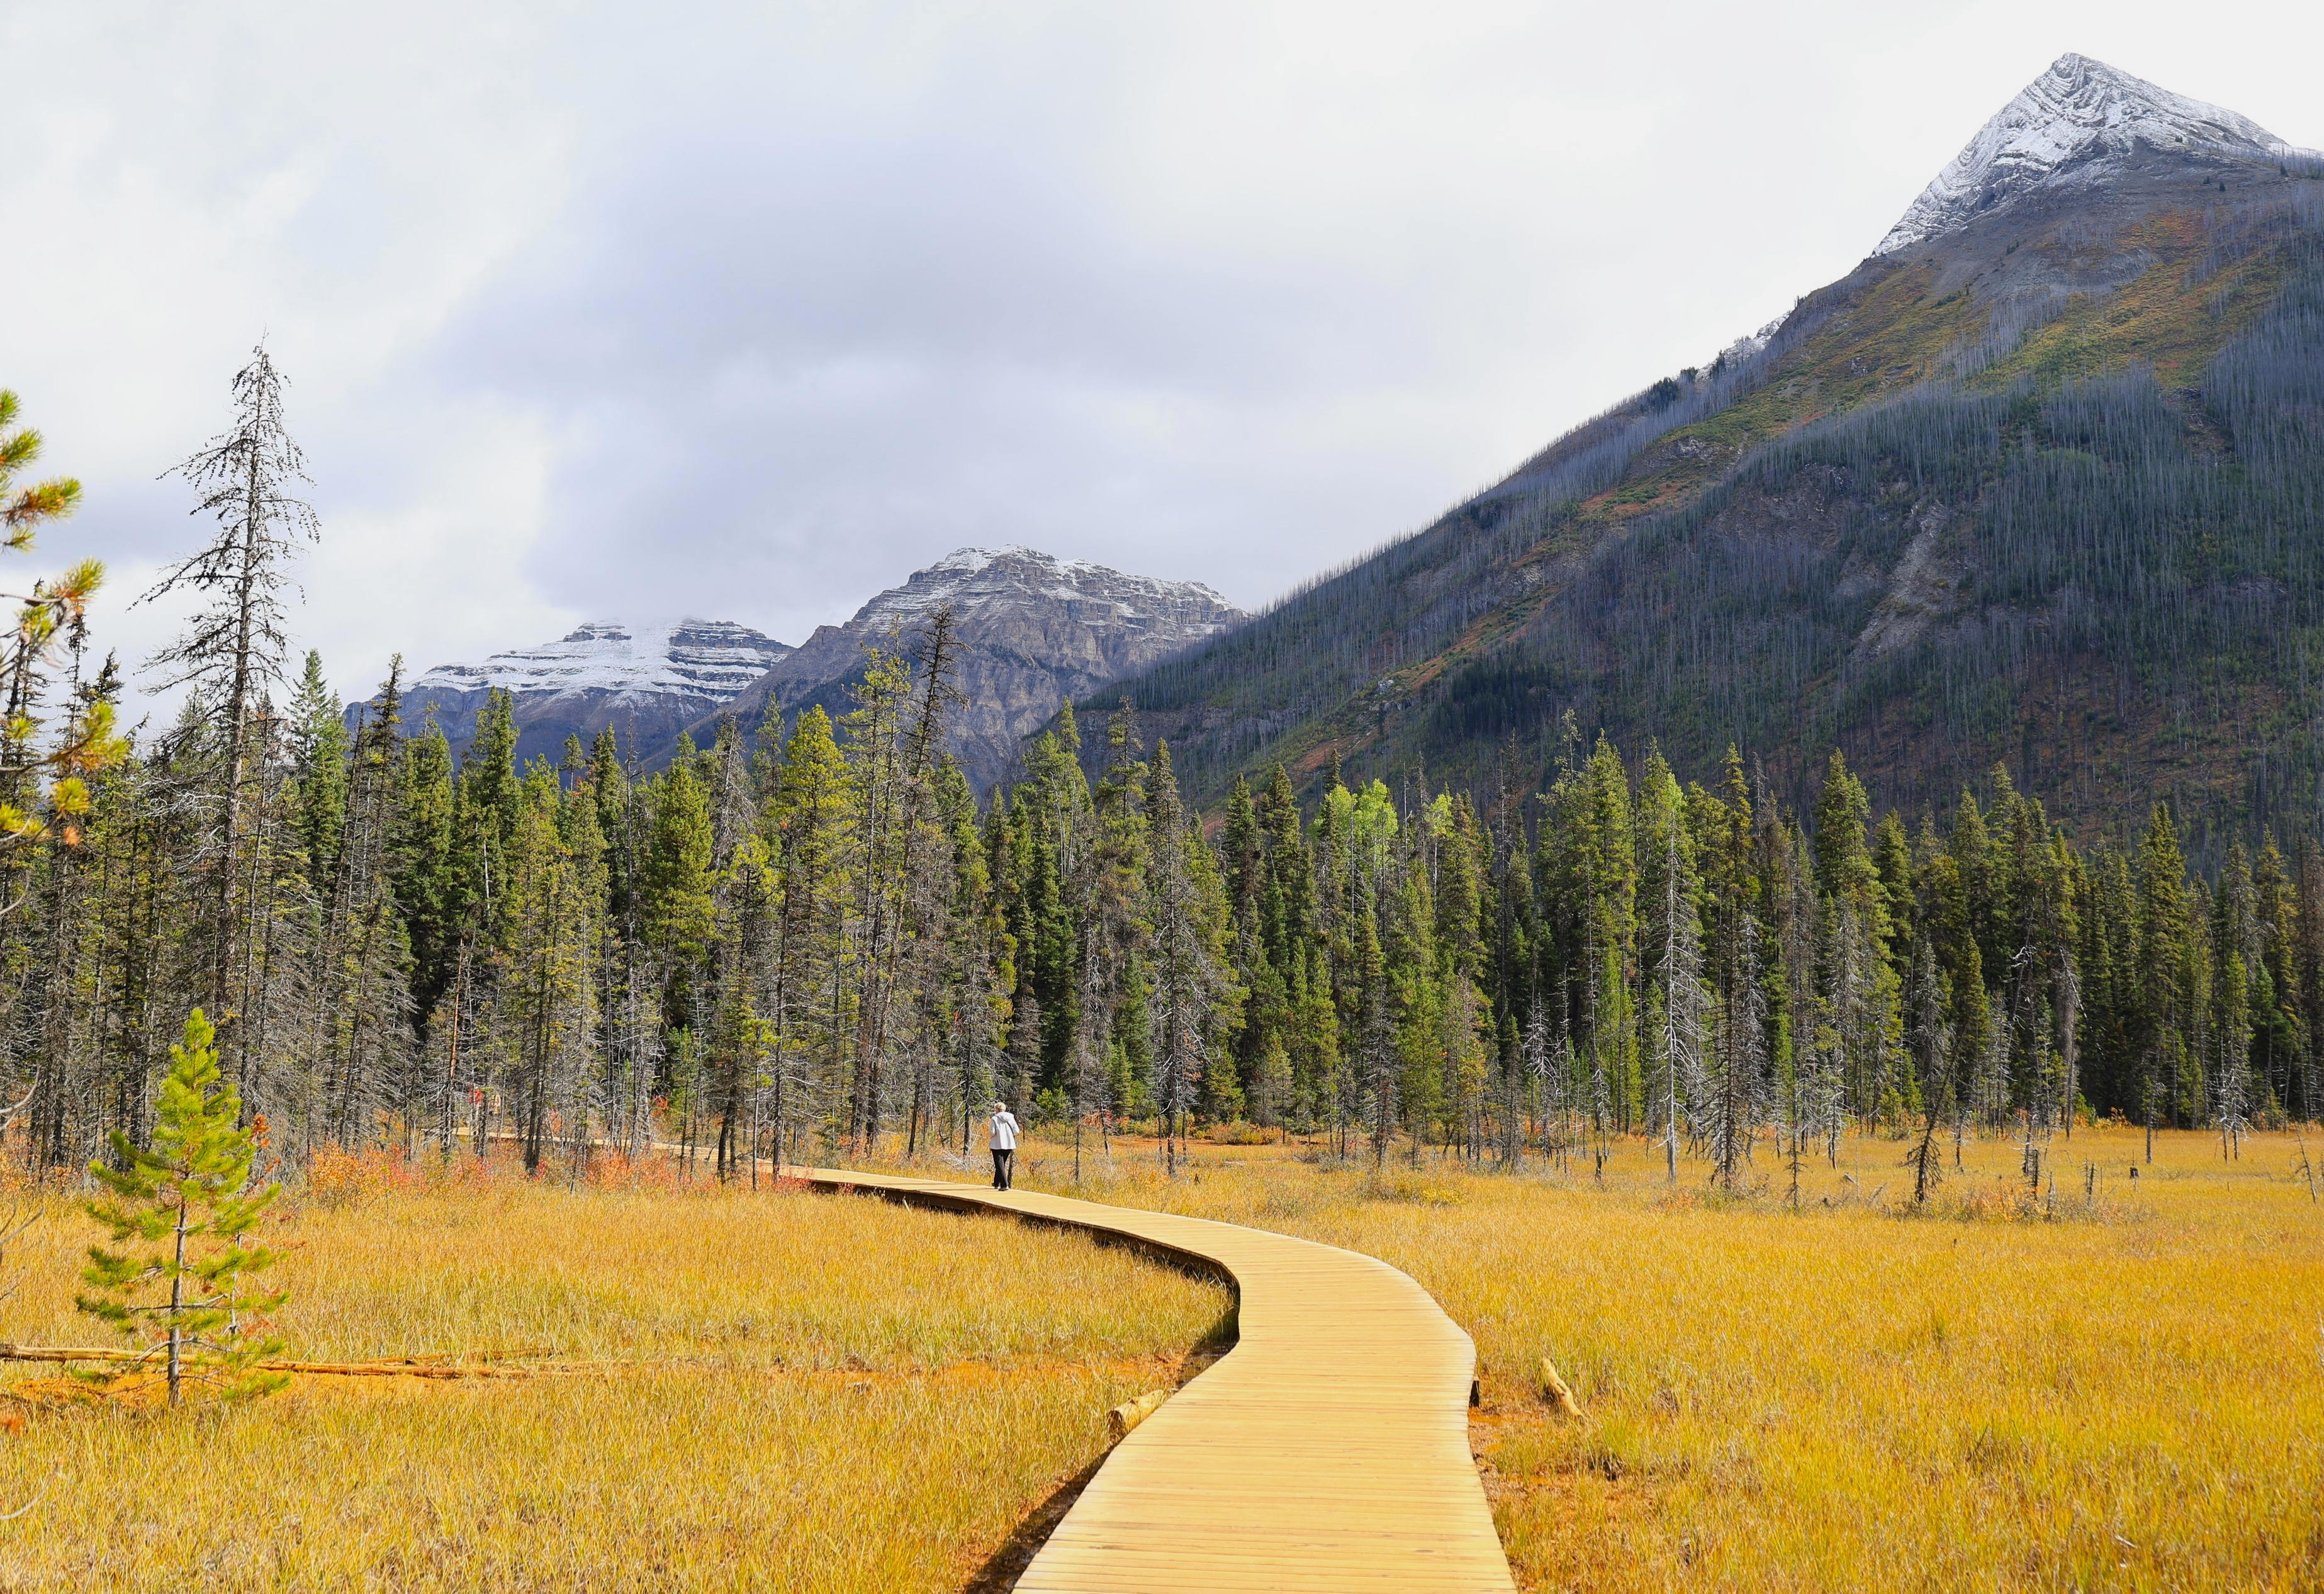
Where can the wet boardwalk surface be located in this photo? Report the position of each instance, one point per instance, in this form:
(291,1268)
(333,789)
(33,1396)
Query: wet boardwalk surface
(1329,1449)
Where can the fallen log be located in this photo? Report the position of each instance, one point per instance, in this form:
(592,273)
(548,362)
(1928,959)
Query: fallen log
(406,1368)
(1122,1418)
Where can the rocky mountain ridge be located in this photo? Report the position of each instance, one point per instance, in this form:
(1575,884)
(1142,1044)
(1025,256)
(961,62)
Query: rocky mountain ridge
(1034,632)
(711,659)
(647,680)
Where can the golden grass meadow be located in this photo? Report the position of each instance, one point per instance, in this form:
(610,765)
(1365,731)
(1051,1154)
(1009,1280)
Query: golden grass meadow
(2118,1384)
(776,1391)
(2125,1390)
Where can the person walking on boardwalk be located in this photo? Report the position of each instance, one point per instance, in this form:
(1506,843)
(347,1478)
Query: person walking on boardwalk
(1001,1131)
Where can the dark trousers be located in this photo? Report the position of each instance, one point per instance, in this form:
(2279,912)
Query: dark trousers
(1000,1168)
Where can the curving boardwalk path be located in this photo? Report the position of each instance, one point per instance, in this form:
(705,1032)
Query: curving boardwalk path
(1329,1449)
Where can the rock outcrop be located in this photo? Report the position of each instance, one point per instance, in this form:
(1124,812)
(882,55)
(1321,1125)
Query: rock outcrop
(1034,633)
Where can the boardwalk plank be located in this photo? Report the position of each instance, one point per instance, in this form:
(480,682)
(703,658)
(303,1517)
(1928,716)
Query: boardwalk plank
(1329,1449)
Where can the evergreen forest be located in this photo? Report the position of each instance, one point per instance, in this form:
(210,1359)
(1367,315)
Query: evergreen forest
(825,944)
(812,937)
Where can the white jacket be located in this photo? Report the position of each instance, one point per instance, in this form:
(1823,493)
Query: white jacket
(1002,1131)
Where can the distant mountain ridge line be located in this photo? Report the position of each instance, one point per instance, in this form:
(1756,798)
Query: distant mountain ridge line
(1035,631)
(620,655)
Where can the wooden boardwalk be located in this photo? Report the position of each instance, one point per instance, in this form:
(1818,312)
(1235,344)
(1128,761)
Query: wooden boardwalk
(1329,1449)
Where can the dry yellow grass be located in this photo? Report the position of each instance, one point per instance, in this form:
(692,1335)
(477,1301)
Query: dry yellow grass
(810,1393)
(2126,1394)
(2125,1391)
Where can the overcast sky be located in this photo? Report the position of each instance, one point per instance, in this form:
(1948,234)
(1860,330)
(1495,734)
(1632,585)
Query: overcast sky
(596,311)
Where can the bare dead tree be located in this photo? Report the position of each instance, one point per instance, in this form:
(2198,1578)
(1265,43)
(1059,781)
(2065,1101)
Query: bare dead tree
(234,645)
(1930,1049)
(1686,1003)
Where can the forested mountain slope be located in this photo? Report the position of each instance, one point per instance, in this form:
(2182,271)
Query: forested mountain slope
(2043,479)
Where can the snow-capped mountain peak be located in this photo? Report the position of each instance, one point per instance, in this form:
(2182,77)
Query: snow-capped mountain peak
(1032,630)
(972,573)
(2074,120)
(692,658)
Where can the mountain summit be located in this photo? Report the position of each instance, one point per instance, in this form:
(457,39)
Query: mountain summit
(2041,481)
(1034,632)
(2076,125)
(645,680)
(628,664)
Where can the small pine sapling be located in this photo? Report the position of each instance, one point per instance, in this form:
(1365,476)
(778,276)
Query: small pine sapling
(188,1194)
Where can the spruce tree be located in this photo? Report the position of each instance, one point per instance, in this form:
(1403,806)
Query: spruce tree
(810,828)
(319,755)
(2169,1074)
(547,933)
(1930,1050)
(1187,915)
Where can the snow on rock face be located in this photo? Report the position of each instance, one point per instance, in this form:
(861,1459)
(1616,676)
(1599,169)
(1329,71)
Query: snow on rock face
(700,659)
(1032,631)
(2078,111)
(973,577)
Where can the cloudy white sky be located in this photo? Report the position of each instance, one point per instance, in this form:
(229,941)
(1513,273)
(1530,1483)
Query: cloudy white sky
(600,310)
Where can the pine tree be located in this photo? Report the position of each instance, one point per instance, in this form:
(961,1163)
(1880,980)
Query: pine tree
(1931,1054)
(2230,1021)
(1243,862)
(546,1003)
(748,893)
(882,821)
(441,879)
(1185,912)
(1860,981)
(1107,868)
(1419,986)
(972,1003)
(318,757)
(2163,957)
(360,984)
(51,613)
(190,1193)
(677,887)
(810,826)
(1375,1057)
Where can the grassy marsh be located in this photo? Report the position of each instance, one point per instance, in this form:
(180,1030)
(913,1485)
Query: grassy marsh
(783,1391)
(2121,1391)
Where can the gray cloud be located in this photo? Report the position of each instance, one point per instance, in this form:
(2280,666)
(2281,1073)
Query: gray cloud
(747,311)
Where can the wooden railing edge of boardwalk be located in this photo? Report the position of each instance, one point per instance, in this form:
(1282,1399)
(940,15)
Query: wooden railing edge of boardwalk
(1328,1450)
(956,1196)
